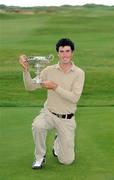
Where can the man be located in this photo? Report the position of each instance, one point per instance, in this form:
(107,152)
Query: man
(64,82)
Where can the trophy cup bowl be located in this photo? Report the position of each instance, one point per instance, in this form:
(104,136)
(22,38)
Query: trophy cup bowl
(39,63)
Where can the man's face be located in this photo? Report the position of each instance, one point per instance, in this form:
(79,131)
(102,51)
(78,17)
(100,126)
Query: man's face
(65,54)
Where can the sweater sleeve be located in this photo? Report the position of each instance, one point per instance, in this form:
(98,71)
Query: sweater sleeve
(73,95)
(29,83)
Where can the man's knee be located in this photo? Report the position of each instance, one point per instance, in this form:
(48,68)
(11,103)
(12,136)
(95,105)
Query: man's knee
(66,160)
(37,124)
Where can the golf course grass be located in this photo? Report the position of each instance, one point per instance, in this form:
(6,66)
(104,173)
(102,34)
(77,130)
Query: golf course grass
(94,139)
(91,28)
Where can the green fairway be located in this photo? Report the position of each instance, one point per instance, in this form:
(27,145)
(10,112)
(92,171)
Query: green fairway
(95,149)
(91,28)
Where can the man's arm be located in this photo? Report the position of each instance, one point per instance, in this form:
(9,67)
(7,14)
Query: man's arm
(29,83)
(74,94)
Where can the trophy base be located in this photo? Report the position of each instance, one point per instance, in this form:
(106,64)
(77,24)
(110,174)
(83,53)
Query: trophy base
(37,81)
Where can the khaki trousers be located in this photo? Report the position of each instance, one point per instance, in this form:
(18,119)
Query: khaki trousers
(64,143)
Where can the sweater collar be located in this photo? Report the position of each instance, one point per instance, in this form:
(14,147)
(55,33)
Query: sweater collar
(71,69)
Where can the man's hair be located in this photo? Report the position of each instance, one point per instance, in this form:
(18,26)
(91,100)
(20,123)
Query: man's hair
(65,42)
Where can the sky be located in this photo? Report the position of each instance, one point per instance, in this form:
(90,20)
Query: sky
(26,3)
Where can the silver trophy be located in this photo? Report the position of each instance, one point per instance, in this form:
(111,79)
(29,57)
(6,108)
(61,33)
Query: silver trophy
(38,63)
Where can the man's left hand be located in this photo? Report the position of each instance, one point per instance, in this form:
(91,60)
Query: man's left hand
(49,85)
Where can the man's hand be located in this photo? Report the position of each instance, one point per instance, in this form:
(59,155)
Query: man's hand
(23,62)
(49,85)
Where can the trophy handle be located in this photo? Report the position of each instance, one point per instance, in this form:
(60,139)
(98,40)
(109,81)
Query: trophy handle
(50,57)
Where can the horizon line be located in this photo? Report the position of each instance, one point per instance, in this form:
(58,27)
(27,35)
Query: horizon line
(56,5)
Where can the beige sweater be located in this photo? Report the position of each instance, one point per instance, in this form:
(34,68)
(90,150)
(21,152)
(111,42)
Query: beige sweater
(64,99)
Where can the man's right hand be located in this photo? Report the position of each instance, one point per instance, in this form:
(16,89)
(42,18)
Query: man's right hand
(23,62)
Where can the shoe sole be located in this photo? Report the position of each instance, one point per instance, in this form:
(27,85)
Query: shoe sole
(36,168)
